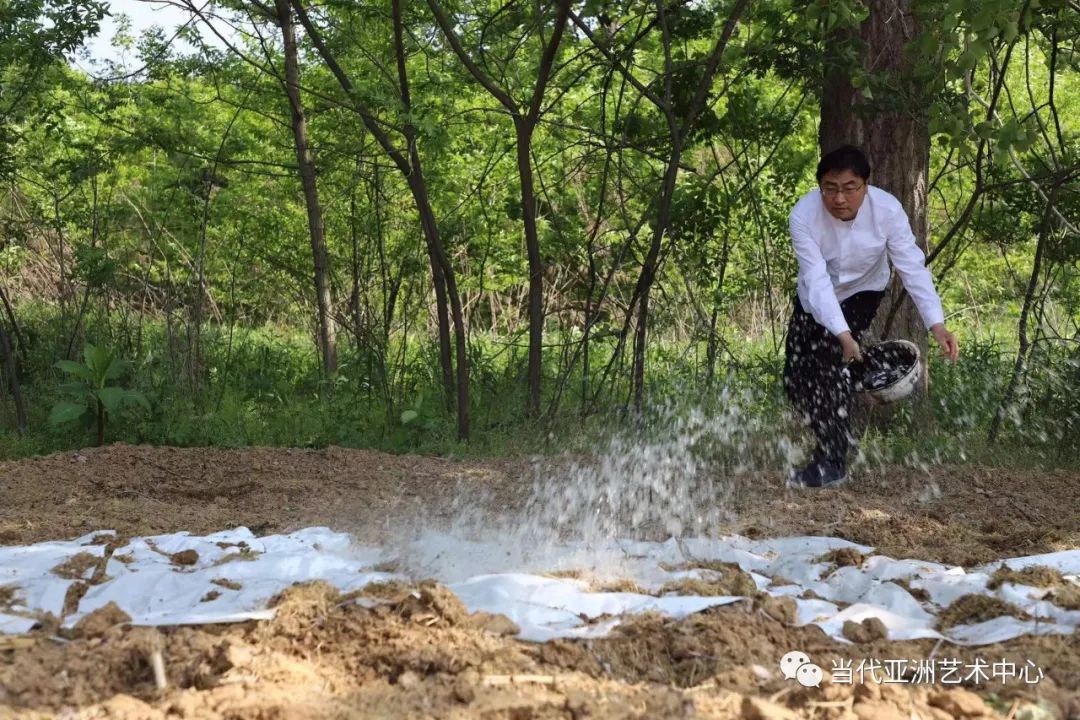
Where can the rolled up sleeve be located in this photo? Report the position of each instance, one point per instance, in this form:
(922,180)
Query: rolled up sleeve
(816,289)
(910,263)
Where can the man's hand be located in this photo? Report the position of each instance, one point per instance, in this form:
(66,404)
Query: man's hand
(949,346)
(850,347)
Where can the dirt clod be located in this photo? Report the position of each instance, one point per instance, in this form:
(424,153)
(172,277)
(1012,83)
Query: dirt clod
(878,710)
(78,566)
(8,595)
(1034,575)
(1066,596)
(619,585)
(959,703)
(408,680)
(918,593)
(972,609)
(1061,591)
(761,709)
(185,557)
(843,557)
(74,596)
(100,621)
(393,590)
(126,707)
(784,609)
(494,623)
(717,579)
(869,630)
(464,692)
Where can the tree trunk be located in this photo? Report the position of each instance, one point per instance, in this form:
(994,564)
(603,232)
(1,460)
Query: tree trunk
(445,282)
(895,140)
(713,348)
(100,423)
(678,132)
(1024,343)
(649,267)
(442,274)
(524,124)
(306,162)
(409,166)
(20,341)
(355,308)
(524,129)
(438,276)
(11,370)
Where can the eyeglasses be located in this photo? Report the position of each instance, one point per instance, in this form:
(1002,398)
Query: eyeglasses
(847,191)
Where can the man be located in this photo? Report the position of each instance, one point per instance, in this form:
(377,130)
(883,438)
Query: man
(845,232)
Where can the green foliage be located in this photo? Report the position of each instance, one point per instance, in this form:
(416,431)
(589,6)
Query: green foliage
(161,214)
(95,396)
(35,35)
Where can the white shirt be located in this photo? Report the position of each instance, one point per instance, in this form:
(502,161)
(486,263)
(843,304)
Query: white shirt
(839,258)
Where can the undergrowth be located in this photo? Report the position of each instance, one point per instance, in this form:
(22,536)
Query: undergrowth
(263,387)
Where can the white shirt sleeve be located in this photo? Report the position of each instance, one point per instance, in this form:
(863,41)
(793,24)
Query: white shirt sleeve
(814,277)
(910,263)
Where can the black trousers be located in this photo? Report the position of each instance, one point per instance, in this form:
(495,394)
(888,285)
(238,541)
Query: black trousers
(814,376)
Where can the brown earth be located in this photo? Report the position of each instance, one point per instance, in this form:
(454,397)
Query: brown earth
(419,654)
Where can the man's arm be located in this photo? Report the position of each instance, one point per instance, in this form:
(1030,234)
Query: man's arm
(821,297)
(910,263)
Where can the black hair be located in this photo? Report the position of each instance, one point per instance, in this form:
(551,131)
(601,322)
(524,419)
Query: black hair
(845,157)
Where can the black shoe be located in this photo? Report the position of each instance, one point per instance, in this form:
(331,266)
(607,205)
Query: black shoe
(819,474)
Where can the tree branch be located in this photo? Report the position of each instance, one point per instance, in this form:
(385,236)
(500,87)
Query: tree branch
(444,22)
(370,121)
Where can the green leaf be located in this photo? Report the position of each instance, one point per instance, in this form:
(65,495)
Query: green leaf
(732,54)
(97,359)
(65,412)
(407,416)
(134,397)
(74,388)
(112,398)
(969,58)
(76,369)
(90,355)
(592,8)
(115,369)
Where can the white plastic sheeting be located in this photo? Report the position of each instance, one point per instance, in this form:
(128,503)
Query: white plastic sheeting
(143,579)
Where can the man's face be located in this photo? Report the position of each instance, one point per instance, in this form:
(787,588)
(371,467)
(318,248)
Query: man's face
(843,192)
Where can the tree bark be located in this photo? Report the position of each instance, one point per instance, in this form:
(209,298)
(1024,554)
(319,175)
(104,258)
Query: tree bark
(896,141)
(100,423)
(447,280)
(438,277)
(524,131)
(442,272)
(20,341)
(1024,343)
(306,162)
(11,370)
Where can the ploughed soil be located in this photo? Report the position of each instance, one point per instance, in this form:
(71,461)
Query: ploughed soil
(413,651)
